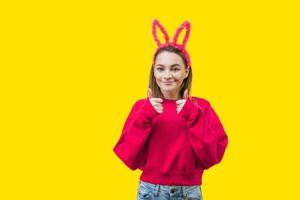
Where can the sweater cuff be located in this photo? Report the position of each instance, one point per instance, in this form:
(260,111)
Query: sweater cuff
(189,110)
(148,110)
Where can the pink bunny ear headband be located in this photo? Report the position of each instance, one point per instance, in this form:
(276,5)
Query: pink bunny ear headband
(174,43)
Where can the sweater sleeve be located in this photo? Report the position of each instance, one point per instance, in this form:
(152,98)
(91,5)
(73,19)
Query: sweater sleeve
(206,133)
(136,130)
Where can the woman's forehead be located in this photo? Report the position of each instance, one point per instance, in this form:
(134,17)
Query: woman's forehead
(168,59)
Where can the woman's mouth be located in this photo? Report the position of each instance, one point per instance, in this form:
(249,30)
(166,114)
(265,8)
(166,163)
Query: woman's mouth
(170,82)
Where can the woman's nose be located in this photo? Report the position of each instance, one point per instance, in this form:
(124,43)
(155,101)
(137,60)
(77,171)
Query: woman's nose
(167,75)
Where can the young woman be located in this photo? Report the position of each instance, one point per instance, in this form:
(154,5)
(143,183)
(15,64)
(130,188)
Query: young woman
(171,136)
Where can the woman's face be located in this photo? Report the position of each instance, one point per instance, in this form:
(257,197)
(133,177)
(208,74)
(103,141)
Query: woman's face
(169,72)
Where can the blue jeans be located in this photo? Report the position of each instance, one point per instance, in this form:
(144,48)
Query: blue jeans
(150,191)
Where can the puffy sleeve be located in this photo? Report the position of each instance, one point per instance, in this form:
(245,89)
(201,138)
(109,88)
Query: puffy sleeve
(136,130)
(206,133)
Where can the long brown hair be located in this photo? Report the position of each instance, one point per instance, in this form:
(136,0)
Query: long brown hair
(187,82)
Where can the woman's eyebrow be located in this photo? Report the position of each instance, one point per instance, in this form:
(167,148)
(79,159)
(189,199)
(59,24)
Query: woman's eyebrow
(171,65)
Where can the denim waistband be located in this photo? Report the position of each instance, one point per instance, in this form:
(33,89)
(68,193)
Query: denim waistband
(170,188)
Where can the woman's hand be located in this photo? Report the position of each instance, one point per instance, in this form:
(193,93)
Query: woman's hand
(180,103)
(156,102)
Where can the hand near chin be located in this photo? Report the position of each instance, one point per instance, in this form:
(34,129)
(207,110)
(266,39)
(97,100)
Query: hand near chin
(180,103)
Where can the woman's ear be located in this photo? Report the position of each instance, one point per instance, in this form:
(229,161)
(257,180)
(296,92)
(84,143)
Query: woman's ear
(187,72)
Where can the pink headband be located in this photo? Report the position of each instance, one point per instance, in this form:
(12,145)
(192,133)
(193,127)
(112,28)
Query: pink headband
(181,47)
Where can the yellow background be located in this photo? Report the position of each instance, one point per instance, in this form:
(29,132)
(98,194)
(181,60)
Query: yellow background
(71,70)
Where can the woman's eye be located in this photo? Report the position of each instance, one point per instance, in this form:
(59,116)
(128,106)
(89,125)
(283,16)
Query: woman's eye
(161,69)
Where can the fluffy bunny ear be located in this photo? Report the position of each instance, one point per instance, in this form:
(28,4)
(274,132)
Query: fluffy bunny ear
(155,24)
(187,25)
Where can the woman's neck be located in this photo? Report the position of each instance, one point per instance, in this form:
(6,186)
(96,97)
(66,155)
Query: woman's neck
(171,96)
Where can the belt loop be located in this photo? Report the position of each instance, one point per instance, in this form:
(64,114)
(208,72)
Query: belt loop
(184,191)
(157,188)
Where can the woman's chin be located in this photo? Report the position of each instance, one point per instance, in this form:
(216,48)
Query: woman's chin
(168,89)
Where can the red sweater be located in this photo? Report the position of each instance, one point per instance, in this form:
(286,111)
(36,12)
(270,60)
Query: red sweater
(171,148)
